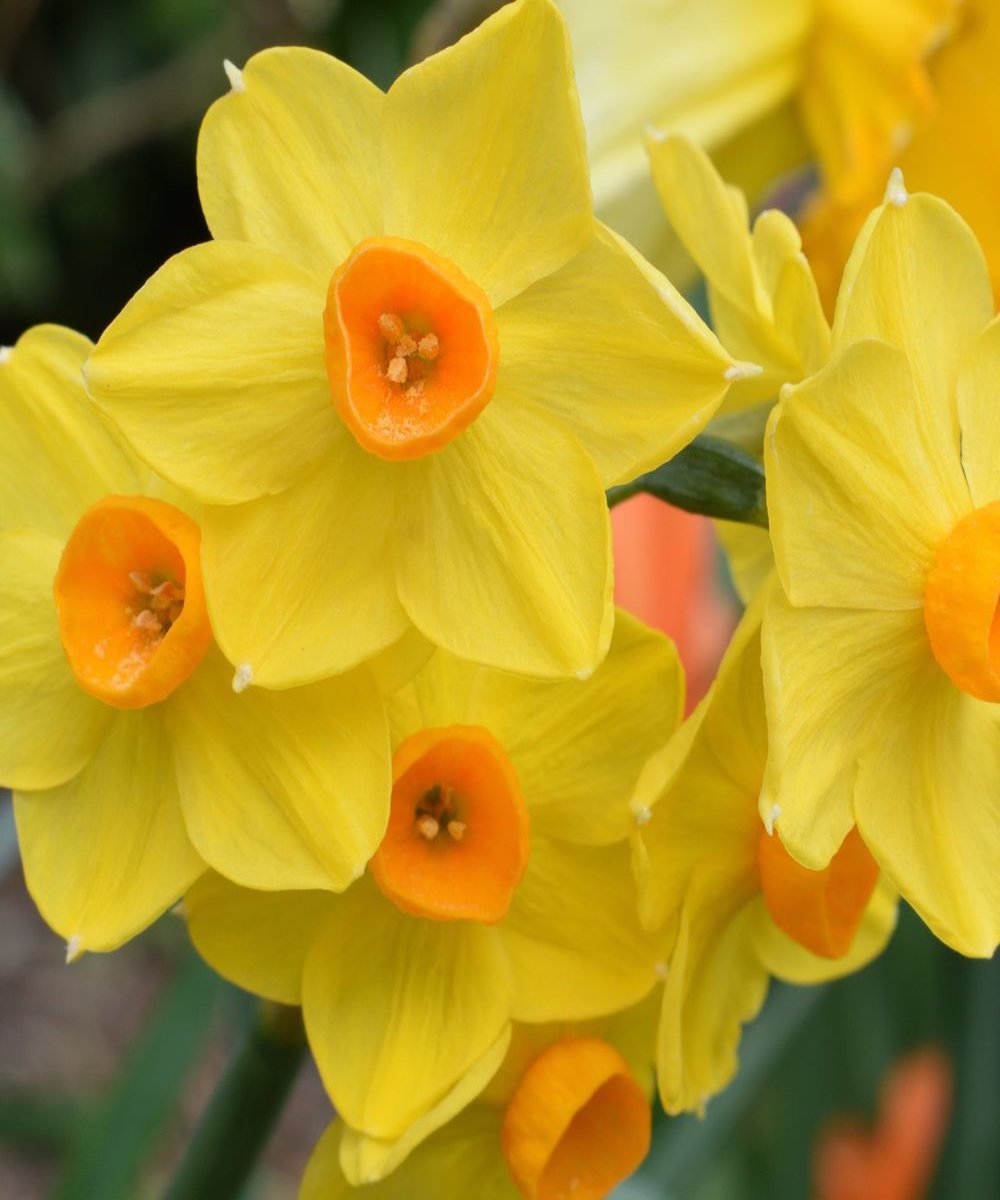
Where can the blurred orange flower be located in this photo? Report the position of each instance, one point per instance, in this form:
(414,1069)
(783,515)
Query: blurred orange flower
(895,1160)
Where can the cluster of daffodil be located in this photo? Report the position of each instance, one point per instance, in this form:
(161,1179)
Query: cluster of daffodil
(307,618)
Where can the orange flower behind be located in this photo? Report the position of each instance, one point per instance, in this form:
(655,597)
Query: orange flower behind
(895,1161)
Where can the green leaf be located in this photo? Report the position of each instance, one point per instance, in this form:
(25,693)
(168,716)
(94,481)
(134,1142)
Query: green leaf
(710,476)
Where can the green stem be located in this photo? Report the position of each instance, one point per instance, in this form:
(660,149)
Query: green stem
(710,476)
(235,1127)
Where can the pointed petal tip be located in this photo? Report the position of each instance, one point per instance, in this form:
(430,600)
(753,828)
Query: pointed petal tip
(5,353)
(642,815)
(234,75)
(654,133)
(661,970)
(242,678)
(74,949)
(895,190)
(773,813)
(742,370)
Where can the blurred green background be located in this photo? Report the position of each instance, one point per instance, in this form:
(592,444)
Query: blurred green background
(105,1066)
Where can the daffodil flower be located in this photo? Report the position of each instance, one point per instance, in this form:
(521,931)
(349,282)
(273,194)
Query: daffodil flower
(566,1114)
(501,891)
(763,85)
(133,762)
(406,368)
(732,905)
(880,653)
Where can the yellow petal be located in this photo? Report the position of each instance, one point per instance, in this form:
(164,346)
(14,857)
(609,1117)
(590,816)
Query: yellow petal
(928,806)
(315,559)
(214,372)
(365,1159)
(484,156)
(503,547)
(578,746)
(49,728)
(698,810)
(787,960)
(105,854)
(627,364)
(858,495)
(573,934)
(977,412)
(289,158)
(60,455)
(463,1159)
(257,940)
(715,984)
(398,1008)
(830,678)
(748,554)
(284,789)
(909,256)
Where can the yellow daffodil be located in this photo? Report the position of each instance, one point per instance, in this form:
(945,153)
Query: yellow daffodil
(133,762)
(566,1114)
(409,364)
(880,655)
(725,893)
(501,891)
(759,83)
(953,153)
(764,304)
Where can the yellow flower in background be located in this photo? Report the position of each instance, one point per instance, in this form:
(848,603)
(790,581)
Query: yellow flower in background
(881,654)
(953,153)
(404,372)
(763,84)
(133,764)
(501,892)
(726,895)
(566,1114)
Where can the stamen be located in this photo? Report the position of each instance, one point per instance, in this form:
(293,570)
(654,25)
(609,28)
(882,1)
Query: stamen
(456,830)
(406,346)
(147,619)
(429,346)
(396,370)
(391,327)
(142,581)
(428,827)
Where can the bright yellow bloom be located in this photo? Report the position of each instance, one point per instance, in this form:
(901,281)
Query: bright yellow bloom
(409,364)
(880,658)
(756,82)
(726,895)
(953,153)
(502,891)
(566,1114)
(133,762)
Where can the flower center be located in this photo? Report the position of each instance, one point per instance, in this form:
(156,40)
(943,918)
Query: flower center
(129,601)
(457,841)
(577,1124)
(821,910)
(411,348)
(960,604)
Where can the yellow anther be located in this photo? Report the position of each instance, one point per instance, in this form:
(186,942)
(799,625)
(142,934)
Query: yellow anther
(427,827)
(391,327)
(396,370)
(456,830)
(429,346)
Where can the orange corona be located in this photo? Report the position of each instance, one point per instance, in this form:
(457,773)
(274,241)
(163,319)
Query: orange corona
(821,910)
(457,842)
(411,348)
(578,1123)
(960,604)
(129,600)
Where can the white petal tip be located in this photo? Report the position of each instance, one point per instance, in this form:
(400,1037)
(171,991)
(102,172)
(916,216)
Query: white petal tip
(5,353)
(774,812)
(234,75)
(742,370)
(74,949)
(584,674)
(655,134)
(661,970)
(642,815)
(179,911)
(243,678)
(895,191)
